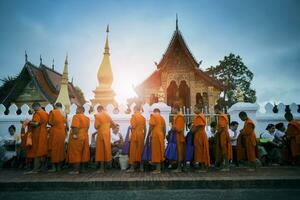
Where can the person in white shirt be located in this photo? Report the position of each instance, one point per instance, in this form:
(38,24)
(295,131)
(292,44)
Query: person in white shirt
(9,142)
(271,145)
(116,140)
(212,130)
(279,131)
(233,133)
(269,133)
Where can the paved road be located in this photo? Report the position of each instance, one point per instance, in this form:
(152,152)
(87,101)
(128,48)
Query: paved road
(236,194)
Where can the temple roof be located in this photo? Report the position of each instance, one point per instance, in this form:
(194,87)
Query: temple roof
(177,40)
(46,80)
(178,44)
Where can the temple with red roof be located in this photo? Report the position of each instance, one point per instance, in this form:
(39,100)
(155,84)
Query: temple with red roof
(179,77)
(39,84)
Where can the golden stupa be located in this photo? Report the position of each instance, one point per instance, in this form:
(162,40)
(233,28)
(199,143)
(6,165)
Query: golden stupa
(63,96)
(104,94)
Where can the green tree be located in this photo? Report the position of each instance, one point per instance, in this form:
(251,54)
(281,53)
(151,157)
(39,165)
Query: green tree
(6,86)
(233,74)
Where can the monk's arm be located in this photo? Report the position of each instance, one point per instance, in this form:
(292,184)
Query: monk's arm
(34,124)
(249,130)
(113,124)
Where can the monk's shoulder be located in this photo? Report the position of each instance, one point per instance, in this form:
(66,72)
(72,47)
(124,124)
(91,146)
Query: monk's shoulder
(86,118)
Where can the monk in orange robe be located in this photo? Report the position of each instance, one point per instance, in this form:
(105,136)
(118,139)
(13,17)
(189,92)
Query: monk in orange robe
(223,149)
(179,125)
(157,131)
(103,124)
(293,135)
(24,134)
(201,147)
(246,142)
(39,137)
(137,138)
(58,132)
(78,148)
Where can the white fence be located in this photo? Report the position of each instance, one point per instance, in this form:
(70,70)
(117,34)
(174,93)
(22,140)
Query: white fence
(121,118)
(262,119)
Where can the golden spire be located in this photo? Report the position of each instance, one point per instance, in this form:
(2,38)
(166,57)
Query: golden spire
(104,94)
(63,96)
(176,22)
(105,76)
(106,48)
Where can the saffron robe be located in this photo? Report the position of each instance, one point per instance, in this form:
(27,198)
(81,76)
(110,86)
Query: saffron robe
(201,148)
(178,126)
(293,134)
(157,138)
(103,123)
(78,149)
(137,137)
(57,134)
(223,146)
(246,142)
(39,134)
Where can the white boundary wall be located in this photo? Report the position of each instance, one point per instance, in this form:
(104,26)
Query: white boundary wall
(261,119)
(120,118)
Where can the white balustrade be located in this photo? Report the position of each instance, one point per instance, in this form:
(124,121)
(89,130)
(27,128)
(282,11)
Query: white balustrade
(122,118)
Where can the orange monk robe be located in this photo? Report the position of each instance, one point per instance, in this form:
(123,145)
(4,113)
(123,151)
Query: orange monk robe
(40,134)
(78,149)
(49,141)
(224,137)
(201,147)
(246,142)
(23,137)
(293,133)
(29,149)
(137,137)
(103,123)
(57,134)
(178,126)
(157,138)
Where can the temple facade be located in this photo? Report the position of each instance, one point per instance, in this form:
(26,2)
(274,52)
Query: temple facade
(179,81)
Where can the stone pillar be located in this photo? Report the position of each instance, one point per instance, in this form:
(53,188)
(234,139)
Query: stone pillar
(211,100)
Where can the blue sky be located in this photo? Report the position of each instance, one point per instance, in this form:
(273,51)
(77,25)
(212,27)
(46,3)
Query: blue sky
(266,34)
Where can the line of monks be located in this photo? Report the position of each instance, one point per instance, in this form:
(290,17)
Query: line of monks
(41,143)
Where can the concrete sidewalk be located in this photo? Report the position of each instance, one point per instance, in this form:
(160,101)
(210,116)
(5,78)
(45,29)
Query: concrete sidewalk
(237,178)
